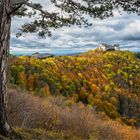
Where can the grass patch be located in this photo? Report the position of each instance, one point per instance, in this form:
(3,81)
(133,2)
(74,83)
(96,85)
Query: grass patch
(42,134)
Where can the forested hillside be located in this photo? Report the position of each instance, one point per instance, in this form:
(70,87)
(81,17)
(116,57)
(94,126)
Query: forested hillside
(108,81)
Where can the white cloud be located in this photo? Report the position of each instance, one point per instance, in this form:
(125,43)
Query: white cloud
(123,29)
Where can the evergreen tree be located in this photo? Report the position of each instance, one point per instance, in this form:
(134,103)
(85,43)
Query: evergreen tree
(70,12)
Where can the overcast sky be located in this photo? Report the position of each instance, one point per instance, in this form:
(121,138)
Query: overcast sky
(123,29)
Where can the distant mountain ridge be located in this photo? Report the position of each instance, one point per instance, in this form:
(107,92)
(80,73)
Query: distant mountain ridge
(45,55)
(41,55)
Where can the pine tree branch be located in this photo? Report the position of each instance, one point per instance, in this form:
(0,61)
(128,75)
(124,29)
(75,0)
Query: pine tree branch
(17,2)
(31,5)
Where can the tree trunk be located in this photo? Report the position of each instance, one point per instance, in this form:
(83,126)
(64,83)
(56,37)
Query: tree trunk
(5,23)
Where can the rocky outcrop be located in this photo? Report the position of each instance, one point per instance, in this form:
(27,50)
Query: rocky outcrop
(106,47)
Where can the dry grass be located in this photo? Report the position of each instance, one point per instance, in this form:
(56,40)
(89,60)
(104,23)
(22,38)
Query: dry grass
(59,115)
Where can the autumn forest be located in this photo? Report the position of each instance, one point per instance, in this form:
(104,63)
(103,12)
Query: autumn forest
(106,82)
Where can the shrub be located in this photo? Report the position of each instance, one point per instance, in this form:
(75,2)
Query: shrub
(57,115)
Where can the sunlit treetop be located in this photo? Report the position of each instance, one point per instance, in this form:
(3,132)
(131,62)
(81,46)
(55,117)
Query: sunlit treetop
(67,13)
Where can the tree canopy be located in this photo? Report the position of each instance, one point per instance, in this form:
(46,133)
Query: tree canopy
(67,12)
(108,81)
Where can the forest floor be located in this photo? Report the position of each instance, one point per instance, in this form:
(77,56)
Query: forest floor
(40,134)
